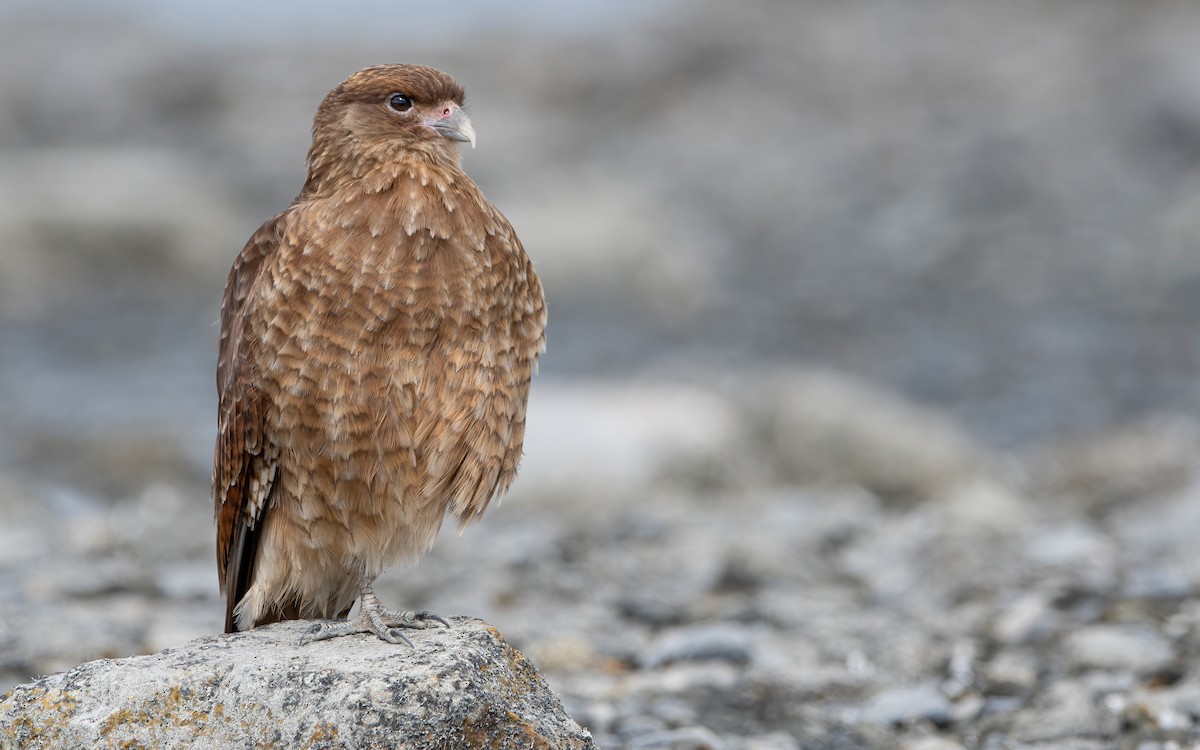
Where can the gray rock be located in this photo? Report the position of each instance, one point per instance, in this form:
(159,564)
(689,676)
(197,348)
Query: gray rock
(1029,618)
(1012,672)
(1157,583)
(834,429)
(689,738)
(1064,711)
(933,743)
(1152,715)
(1134,461)
(609,440)
(907,703)
(1182,699)
(772,741)
(717,641)
(1118,647)
(459,687)
(1076,548)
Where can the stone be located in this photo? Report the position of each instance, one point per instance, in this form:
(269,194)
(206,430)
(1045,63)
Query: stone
(461,687)
(688,738)
(1133,461)
(1031,617)
(715,641)
(1011,672)
(772,741)
(898,705)
(1118,647)
(932,743)
(1064,711)
(833,429)
(609,440)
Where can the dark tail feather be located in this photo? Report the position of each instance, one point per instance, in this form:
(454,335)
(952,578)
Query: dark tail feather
(240,572)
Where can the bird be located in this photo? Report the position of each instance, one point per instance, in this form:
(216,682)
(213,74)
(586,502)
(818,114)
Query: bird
(377,342)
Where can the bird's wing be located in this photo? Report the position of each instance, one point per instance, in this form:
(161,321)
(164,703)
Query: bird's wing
(244,464)
(529,330)
(500,452)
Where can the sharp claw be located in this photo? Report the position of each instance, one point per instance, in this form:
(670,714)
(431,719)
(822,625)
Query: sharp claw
(387,624)
(398,637)
(309,632)
(427,615)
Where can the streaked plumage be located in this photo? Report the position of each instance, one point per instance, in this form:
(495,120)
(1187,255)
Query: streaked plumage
(377,343)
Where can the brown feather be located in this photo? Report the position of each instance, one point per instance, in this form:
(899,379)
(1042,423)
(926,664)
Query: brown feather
(377,343)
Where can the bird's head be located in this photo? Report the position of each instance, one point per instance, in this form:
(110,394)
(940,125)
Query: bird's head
(380,113)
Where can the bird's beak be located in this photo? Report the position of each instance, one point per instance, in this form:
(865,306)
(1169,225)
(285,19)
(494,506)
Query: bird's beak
(456,126)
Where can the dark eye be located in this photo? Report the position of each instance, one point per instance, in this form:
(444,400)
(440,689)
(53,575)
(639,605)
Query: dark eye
(399,103)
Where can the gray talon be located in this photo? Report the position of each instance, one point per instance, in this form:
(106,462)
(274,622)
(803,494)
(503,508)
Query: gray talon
(427,615)
(374,618)
(400,637)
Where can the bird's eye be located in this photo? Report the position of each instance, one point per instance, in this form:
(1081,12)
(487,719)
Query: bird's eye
(399,103)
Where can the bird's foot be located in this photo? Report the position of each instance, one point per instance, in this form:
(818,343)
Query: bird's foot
(374,618)
(418,620)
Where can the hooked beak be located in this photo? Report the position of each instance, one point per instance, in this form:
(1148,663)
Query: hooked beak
(454,124)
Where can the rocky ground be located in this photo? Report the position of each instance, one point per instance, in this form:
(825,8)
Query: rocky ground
(868,413)
(464,687)
(916,591)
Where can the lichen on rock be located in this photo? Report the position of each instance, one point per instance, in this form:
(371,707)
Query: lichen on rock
(462,687)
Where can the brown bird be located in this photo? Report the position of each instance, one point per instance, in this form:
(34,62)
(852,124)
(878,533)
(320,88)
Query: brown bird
(377,343)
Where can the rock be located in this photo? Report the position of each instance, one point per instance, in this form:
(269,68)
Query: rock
(1182,698)
(690,738)
(652,609)
(1012,672)
(898,705)
(1119,465)
(1031,617)
(986,505)
(832,428)
(1154,716)
(714,641)
(1118,647)
(1071,544)
(1157,583)
(1065,710)
(932,743)
(773,741)
(462,687)
(609,440)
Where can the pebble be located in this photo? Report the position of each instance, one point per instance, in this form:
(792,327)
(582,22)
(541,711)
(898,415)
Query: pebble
(772,741)
(1065,709)
(689,738)
(1029,618)
(932,743)
(1158,583)
(1076,544)
(1011,672)
(709,642)
(1118,647)
(899,705)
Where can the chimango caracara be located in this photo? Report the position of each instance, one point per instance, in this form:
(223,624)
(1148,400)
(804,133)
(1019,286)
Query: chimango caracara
(377,342)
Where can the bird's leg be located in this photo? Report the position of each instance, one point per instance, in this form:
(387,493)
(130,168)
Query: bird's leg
(374,618)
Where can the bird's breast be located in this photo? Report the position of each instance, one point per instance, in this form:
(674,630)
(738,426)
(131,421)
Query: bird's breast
(386,336)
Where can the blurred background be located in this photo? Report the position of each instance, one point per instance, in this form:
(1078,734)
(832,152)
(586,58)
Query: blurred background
(831,285)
